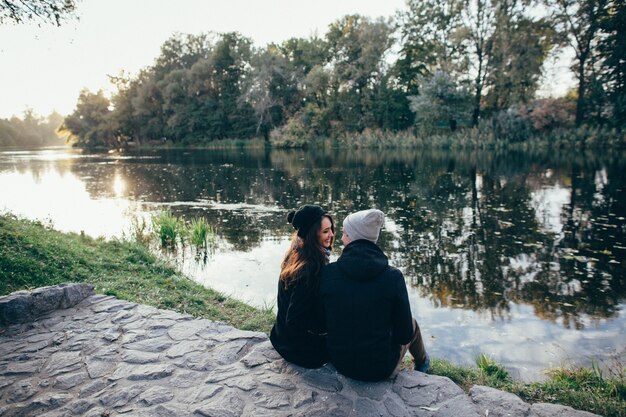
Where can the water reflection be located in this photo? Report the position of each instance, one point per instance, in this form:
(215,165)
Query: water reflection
(500,240)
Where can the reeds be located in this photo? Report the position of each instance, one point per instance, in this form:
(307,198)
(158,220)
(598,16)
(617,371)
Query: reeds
(201,234)
(172,230)
(168,228)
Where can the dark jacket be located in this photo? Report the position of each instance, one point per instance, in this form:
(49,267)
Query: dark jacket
(297,333)
(367,310)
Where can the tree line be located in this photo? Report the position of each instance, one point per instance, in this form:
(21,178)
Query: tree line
(31,130)
(436,66)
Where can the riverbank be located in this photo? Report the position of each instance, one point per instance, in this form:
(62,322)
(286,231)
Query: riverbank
(33,255)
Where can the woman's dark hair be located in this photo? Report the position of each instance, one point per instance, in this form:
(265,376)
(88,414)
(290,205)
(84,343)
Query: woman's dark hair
(305,257)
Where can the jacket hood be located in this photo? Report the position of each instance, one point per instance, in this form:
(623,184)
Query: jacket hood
(362,260)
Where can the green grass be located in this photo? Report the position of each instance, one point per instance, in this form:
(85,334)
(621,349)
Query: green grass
(33,255)
(581,388)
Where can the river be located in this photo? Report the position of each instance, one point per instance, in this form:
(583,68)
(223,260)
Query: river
(518,255)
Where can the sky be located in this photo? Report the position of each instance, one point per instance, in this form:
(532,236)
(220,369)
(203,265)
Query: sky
(45,67)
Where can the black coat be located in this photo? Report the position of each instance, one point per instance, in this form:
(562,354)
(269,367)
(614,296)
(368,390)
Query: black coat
(367,310)
(297,333)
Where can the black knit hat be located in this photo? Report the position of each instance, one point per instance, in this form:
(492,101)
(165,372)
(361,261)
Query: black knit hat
(304,218)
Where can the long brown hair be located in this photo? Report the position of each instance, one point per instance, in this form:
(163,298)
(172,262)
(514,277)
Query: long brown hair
(306,257)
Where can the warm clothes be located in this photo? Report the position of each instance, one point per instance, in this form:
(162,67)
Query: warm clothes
(297,333)
(367,310)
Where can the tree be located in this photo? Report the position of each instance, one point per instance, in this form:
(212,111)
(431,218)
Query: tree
(42,11)
(580,21)
(612,49)
(272,89)
(358,47)
(429,33)
(89,124)
(441,103)
(479,18)
(519,47)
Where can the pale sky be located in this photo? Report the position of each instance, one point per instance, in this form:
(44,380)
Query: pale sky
(45,67)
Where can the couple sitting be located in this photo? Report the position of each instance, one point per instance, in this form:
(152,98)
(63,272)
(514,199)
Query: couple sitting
(355,312)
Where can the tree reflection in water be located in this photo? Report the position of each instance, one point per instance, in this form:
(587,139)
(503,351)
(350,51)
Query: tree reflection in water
(478,230)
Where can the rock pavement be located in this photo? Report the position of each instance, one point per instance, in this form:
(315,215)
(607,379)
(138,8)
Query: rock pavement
(67,352)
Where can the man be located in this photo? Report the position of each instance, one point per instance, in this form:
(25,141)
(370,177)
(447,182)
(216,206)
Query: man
(368,316)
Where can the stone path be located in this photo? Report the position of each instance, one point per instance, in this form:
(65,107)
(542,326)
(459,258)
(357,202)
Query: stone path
(67,352)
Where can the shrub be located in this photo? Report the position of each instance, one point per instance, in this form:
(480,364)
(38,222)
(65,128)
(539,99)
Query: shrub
(551,113)
(513,124)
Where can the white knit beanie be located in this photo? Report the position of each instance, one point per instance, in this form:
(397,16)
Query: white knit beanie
(364,224)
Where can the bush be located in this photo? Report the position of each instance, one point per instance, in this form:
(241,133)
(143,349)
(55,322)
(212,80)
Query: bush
(551,113)
(513,124)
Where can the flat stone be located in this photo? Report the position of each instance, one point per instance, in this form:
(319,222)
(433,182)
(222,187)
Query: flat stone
(460,406)
(187,330)
(245,383)
(20,391)
(137,357)
(124,316)
(303,397)
(197,361)
(149,345)
(186,379)
(229,351)
(35,347)
(497,403)
(282,382)
(271,400)
(80,407)
(65,382)
(41,404)
(110,306)
(169,410)
(91,388)
(395,408)
(421,390)
(122,396)
(226,403)
(556,410)
(323,379)
(207,392)
(18,368)
(255,358)
(221,374)
(182,348)
(62,362)
(111,336)
(364,407)
(137,372)
(156,395)
(99,367)
(372,390)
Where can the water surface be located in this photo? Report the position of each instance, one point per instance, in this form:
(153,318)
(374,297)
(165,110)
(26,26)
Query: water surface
(517,255)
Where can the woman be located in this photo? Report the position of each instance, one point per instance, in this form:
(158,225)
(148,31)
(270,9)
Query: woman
(298,334)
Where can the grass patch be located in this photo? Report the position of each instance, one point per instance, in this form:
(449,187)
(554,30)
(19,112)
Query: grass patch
(584,389)
(33,255)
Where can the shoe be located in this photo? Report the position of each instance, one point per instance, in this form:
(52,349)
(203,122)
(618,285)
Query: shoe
(424,367)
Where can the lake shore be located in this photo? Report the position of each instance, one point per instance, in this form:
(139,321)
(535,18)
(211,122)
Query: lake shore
(33,255)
